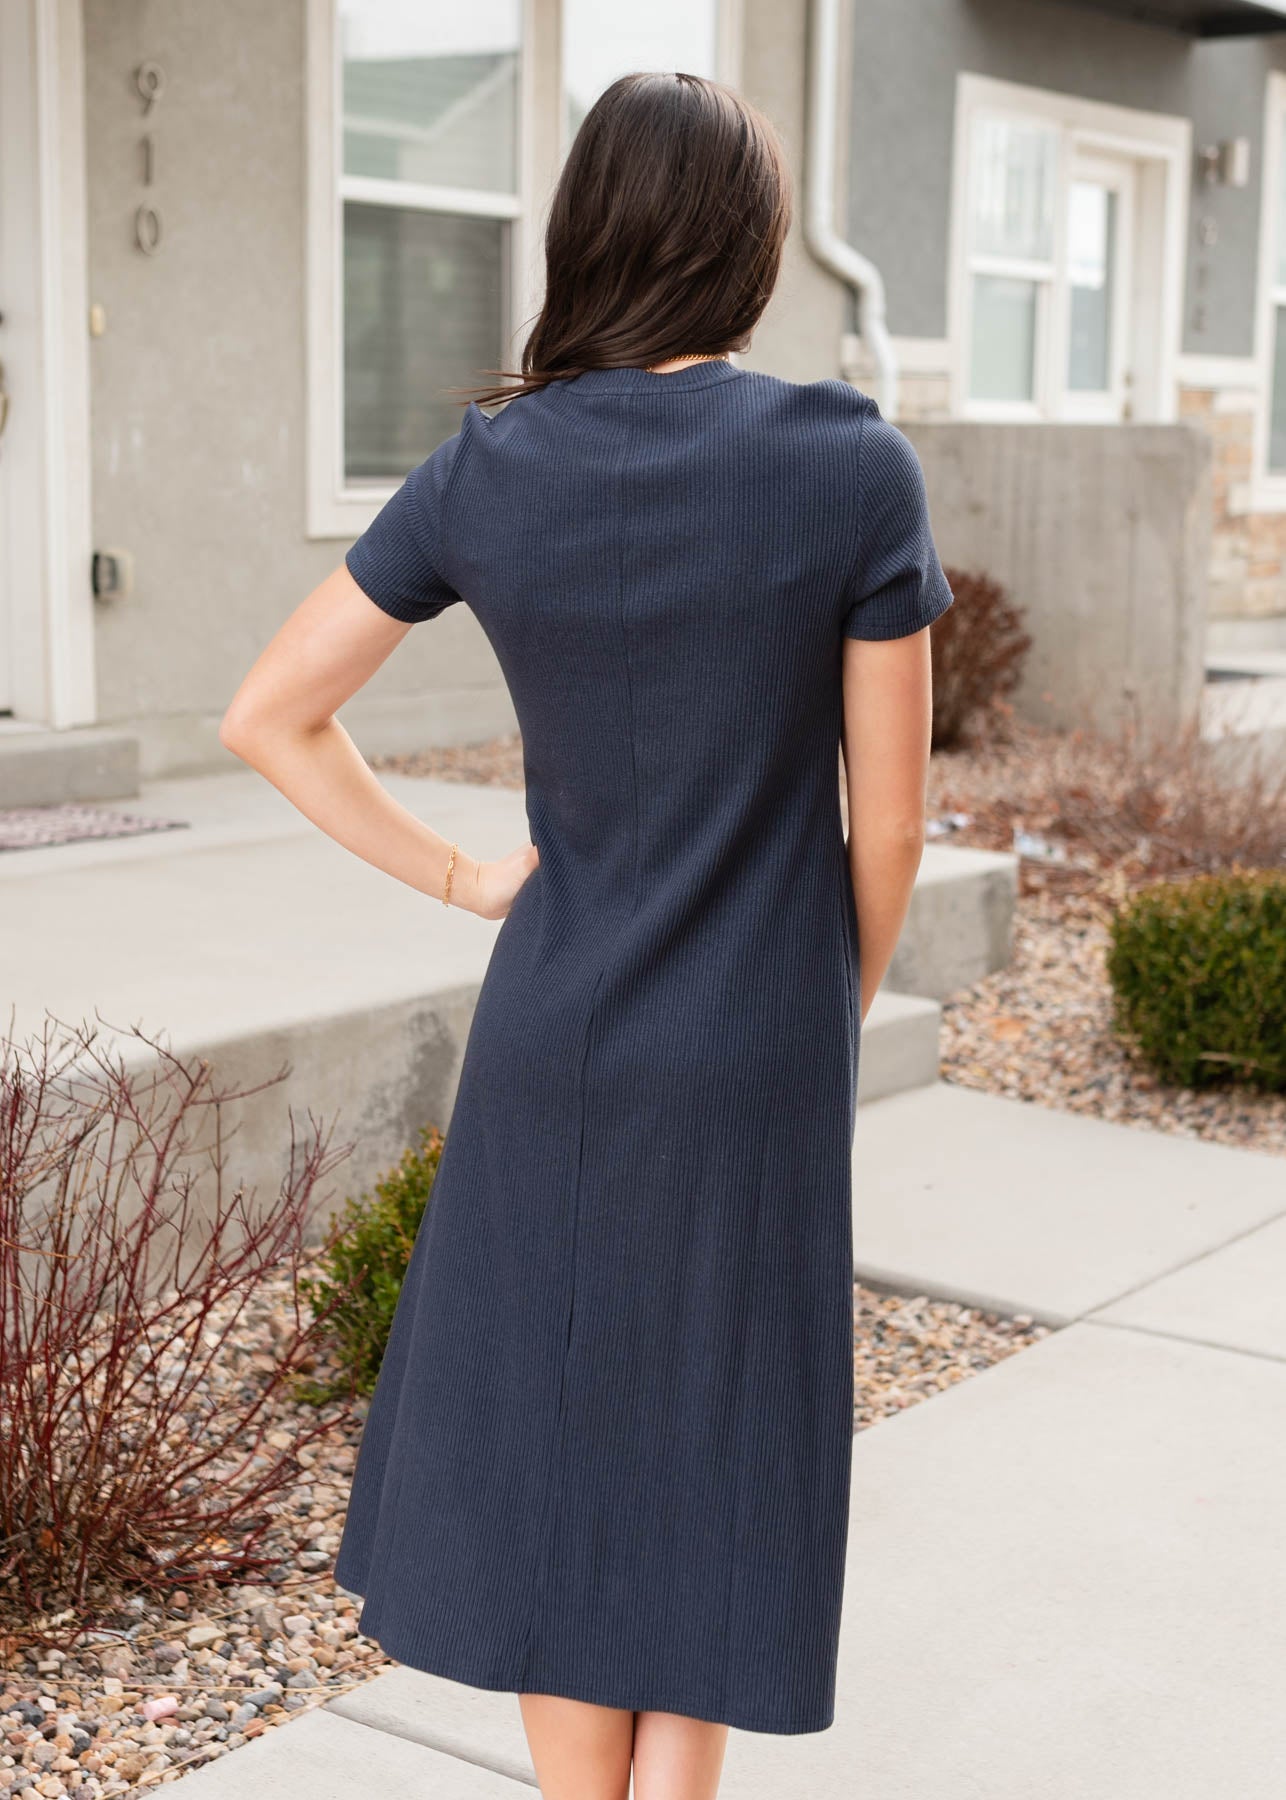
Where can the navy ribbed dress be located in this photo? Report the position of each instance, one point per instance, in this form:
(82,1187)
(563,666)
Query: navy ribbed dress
(609,1453)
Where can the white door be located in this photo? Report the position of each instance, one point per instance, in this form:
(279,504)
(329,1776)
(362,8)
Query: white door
(1098,326)
(7,521)
(46,607)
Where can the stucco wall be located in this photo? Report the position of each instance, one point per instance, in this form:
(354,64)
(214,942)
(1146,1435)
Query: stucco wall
(799,334)
(198,389)
(905,61)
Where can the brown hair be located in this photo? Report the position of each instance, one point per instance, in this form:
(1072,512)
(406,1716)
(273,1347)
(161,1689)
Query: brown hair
(664,235)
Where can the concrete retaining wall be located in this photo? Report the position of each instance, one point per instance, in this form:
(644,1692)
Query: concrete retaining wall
(1101,533)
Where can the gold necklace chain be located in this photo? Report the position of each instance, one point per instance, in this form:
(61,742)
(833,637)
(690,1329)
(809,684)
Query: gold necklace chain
(696,357)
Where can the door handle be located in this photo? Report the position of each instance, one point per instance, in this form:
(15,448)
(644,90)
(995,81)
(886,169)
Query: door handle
(4,401)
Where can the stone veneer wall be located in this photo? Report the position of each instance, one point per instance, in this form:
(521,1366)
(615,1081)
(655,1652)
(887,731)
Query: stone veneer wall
(1248,549)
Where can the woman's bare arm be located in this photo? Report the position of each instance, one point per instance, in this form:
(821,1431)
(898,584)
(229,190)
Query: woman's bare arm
(887,723)
(282,722)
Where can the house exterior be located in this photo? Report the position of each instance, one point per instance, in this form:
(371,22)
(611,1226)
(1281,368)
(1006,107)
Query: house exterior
(1080,213)
(244,249)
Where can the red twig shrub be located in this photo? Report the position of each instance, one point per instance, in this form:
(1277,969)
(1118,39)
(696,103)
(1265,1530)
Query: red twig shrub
(978,647)
(127,1259)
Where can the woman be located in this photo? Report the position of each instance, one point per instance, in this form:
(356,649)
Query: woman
(607,1464)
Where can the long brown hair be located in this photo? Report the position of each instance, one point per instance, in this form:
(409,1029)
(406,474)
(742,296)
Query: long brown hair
(664,235)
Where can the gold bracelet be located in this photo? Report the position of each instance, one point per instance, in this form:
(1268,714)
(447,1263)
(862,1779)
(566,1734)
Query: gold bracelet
(446,890)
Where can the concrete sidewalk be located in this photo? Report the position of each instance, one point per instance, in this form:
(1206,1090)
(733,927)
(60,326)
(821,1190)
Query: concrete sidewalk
(1014,1207)
(1064,1579)
(1065,1576)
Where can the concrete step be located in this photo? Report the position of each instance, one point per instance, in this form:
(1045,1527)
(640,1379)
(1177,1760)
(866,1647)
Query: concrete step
(1236,636)
(899,1047)
(960,922)
(252,939)
(1246,665)
(1243,708)
(48,768)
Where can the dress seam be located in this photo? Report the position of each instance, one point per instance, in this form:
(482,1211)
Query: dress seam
(737,1436)
(629,683)
(544,1544)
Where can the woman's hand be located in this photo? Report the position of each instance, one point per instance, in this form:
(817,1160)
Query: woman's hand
(494,885)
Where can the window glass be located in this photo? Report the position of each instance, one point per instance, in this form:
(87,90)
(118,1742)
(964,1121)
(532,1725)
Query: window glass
(1015,166)
(430,91)
(1091,260)
(605,38)
(430,108)
(423,311)
(1002,361)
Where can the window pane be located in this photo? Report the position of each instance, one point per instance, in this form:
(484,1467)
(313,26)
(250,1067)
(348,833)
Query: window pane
(606,38)
(1014,169)
(423,310)
(431,91)
(1279,260)
(1091,264)
(1277,419)
(1003,353)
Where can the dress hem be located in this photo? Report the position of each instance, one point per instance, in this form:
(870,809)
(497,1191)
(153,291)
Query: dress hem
(589,1692)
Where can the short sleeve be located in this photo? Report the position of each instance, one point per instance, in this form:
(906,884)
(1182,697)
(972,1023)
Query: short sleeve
(398,561)
(897,585)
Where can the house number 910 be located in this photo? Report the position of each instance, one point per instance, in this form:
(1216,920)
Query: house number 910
(149,81)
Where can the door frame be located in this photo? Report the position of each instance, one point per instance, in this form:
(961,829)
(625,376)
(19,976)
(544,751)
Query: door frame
(45,558)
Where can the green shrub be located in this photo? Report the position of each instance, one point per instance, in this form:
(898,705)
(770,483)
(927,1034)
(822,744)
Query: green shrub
(1198,970)
(364,1262)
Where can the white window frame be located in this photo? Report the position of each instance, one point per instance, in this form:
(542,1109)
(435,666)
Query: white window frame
(1161,141)
(1268,486)
(337,508)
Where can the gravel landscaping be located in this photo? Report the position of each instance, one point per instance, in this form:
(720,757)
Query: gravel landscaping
(908,1348)
(1040,1030)
(172,1685)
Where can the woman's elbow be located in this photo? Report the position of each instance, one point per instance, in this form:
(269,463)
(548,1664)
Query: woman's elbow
(240,732)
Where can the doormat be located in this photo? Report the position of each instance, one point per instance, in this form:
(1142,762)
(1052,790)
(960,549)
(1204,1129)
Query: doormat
(35,827)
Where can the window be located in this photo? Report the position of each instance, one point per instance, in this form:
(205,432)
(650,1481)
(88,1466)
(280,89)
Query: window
(1011,256)
(426,121)
(429,181)
(415,203)
(1067,256)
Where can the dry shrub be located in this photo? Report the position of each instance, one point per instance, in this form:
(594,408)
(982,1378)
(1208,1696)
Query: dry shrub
(1141,801)
(127,1259)
(978,647)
